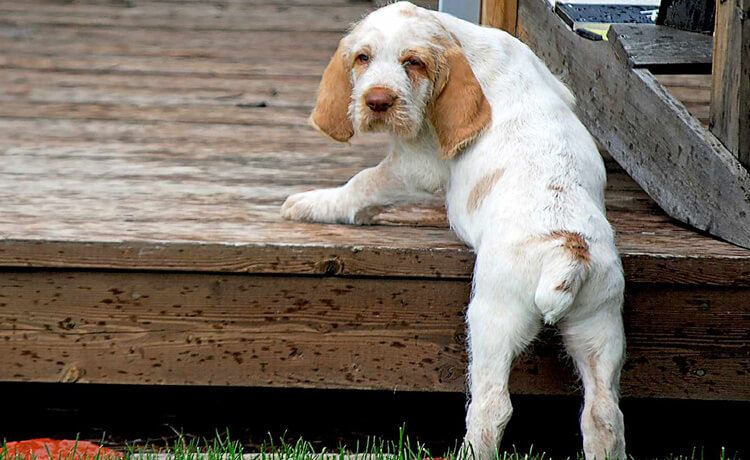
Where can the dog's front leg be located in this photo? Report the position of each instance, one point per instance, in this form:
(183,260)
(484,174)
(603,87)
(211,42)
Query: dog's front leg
(394,180)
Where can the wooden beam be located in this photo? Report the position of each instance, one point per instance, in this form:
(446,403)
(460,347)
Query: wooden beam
(501,14)
(730,88)
(334,332)
(676,160)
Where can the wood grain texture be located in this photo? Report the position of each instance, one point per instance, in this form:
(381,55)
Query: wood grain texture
(40,86)
(662,49)
(730,90)
(167,66)
(187,3)
(694,91)
(347,259)
(189,329)
(235,16)
(681,164)
(500,14)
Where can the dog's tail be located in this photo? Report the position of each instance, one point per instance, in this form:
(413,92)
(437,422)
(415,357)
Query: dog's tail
(564,270)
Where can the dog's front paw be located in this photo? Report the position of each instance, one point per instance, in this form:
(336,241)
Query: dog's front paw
(325,205)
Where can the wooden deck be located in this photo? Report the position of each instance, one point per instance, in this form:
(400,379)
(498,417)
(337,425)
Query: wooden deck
(145,149)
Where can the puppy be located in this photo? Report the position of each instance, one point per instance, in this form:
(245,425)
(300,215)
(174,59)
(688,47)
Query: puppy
(473,111)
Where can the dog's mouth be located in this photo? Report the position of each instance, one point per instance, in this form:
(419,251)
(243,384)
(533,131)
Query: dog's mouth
(396,120)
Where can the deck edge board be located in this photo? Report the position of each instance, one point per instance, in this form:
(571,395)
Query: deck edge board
(336,260)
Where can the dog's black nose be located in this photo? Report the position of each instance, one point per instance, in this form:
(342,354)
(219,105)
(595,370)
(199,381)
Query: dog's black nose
(379,99)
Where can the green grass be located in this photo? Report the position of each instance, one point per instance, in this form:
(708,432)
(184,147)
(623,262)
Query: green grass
(222,447)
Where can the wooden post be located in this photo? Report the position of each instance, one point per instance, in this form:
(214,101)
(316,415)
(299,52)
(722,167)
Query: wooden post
(502,14)
(730,87)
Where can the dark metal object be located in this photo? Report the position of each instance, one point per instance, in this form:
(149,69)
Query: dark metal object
(692,15)
(573,13)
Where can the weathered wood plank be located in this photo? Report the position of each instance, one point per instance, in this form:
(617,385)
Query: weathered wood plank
(694,91)
(262,94)
(730,90)
(189,3)
(662,49)
(688,93)
(681,165)
(151,65)
(206,17)
(702,82)
(501,14)
(218,134)
(257,114)
(434,254)
(188,329)
(255,331)
(220,45)
(692,15)
(155,90)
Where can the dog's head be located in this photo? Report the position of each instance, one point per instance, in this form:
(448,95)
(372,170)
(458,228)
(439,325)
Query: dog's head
(395,71)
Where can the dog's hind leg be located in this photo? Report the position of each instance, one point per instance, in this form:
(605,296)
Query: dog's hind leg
(501,325)
(597,344)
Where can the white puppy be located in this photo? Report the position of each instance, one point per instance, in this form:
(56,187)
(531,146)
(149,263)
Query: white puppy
(473,111)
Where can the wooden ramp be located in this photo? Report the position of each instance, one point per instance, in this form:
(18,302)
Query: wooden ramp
(145,149)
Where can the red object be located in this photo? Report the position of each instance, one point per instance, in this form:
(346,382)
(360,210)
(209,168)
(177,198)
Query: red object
(59,449)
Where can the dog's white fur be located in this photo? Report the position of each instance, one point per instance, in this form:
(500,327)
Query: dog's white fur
(525,189)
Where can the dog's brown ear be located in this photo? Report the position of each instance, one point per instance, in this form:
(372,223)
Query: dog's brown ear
(459,111)
(330,115)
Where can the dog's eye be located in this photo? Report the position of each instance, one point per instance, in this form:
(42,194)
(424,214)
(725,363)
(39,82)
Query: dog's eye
(363,58)
(413,63)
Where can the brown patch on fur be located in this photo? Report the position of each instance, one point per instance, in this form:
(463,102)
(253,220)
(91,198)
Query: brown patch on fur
(573,242)
(459,111)
(408,12)
(455,39)
(555,188)
(330,115)
(564,287)
(482,188)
